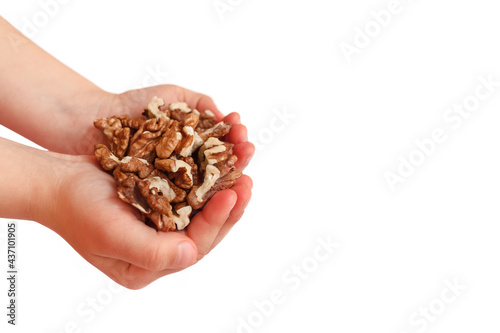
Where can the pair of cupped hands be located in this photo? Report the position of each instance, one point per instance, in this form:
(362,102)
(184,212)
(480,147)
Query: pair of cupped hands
(85,210)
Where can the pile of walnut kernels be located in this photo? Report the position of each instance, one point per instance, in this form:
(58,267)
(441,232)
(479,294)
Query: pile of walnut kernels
(169,163)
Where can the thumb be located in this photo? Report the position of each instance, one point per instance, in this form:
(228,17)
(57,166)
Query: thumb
(134,242)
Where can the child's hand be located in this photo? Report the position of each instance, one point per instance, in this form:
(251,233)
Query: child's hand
(110,234)
(85,136)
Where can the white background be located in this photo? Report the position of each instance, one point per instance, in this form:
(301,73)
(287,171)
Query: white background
(319,175)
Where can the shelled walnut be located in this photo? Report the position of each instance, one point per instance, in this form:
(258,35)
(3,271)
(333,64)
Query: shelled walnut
(169,163)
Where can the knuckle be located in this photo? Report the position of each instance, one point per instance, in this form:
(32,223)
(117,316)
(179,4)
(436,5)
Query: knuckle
(156,259)
(132,284)
(129,279)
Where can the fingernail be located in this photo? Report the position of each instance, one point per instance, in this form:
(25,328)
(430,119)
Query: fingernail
(186,254)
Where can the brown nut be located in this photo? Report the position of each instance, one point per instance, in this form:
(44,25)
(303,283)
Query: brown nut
(207,120)
(179,111)
(108,126)
(120,141)
(129,190)
(217,131)
(168,143)
(133,123)
(129,164)
(106,158)
(162,222)
(212,184)
(166,187)
(117,136)
(185,146)
(136,165)
(180,170)
(181,217)
(161,214)
(153,110)
(143,143)
(198,195)
(191,120)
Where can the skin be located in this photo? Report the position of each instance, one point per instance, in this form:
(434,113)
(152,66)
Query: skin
(64,188)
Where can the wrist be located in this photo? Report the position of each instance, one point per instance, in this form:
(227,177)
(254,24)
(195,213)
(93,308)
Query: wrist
(79,135)
(50,172)
(29,182)
(44,100)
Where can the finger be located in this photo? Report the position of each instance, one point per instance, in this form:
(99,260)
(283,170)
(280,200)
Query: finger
(243,189)
(199,101)
(205,225)
(238,134)
(232,118)
(245,152)
(126,274)
(130,240)
(172,93)
(206,103)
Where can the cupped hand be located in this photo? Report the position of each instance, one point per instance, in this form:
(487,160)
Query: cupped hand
(113,237)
